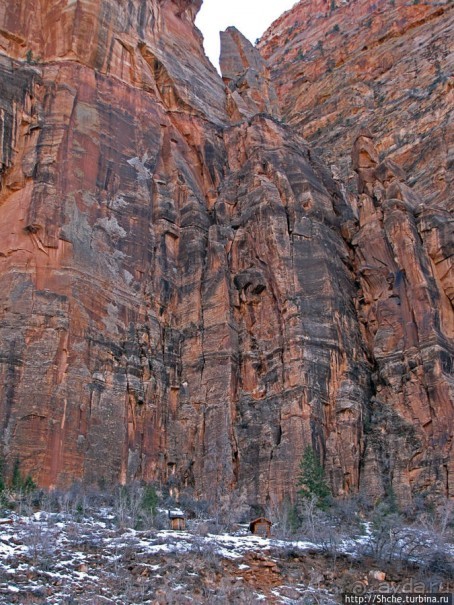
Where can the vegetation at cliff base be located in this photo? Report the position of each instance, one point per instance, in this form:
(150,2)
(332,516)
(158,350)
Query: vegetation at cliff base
(311,481)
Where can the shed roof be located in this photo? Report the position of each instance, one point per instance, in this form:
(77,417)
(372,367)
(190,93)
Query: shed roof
(176,514)
(260,520)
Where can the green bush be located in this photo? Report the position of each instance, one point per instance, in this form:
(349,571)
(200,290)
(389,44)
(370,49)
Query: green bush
(150,499)
(20,483)
(312,480)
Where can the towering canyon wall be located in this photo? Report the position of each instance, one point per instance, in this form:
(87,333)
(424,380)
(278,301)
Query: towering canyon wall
(170,281)
(187,294)
(407,322)
(378,77)
(384,65)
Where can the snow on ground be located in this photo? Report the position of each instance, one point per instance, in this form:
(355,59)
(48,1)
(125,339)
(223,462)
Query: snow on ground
(53,558)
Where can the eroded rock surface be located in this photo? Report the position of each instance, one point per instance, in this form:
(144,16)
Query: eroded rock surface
(404,310)
(170,284)
(111,159)
(383,71)
(339,66)
(247,77)
(181,277)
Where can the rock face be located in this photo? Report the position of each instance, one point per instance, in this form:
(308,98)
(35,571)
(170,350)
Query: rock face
(381,70)
(384,65)
(408,324)
(170,283)
(187,295)
(247,77)
(103,181)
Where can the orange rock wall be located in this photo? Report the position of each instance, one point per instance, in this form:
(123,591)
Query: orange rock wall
(94,175)
(176,299)
(186,293)
(408,324)
(384,65)
(383,71)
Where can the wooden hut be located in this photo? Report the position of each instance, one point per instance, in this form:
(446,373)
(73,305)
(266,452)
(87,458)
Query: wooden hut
(177,520)
(261,527)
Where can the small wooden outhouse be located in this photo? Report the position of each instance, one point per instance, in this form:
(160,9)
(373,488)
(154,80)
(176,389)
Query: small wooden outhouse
(261,527)
(177,520)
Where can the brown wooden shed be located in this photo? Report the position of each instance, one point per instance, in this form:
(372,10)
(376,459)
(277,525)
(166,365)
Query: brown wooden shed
(177,520)
(261,527)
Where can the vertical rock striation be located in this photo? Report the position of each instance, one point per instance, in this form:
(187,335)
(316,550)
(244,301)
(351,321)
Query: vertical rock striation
(404,310)
(384,65)
(112,152)
(355,68)
(170,283)
(181,277)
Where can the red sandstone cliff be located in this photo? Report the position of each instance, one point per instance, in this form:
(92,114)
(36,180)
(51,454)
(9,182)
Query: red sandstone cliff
(384,70)
(156,265)
(185,289)
(384,65)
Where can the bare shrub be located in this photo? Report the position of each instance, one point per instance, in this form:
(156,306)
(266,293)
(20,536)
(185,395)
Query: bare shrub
(194,507)
(284,518)
(207,550)
(227,510)
(440,520)
(347,513)
(388,535)
(128,505)
(439,563)
(201,528)
(310,517)
(25,502)
(40,543)
(393,541)
(49,501)
(135,506)
(445,519)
